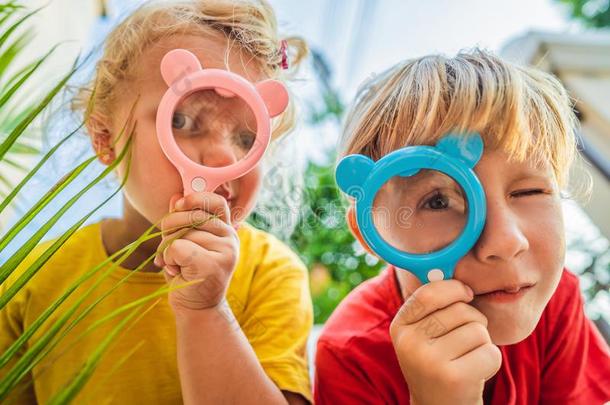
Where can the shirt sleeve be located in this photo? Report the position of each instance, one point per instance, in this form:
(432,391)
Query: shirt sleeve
(11,327)
(577,359)
(339,380)
(278,318)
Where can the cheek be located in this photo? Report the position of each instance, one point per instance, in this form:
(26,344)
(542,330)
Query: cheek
(543,262)
(544,227)
(248,187)
(152,179)
(547,244)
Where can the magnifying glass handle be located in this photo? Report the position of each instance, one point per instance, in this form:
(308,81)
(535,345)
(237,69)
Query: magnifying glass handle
(197,184)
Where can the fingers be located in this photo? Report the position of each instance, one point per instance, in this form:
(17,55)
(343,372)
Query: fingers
(196,219)
(211,241)
(430,298)
(203,211)
(181,252)
(469,337)
(451,317)
(486,359)
(207,202)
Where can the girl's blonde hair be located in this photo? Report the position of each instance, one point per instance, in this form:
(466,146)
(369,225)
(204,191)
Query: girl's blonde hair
(521,110)
(249,24)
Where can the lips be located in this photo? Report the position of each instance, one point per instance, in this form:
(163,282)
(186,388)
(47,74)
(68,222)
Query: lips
(507,289)
(505,294)
(224,192)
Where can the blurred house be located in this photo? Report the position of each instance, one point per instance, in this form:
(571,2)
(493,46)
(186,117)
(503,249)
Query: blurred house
(582,63)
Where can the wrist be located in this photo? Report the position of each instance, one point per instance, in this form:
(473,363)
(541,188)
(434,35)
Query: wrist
(212,314)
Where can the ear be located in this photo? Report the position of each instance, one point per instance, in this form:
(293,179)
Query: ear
(101,138)
(351,173)
(466,147)
(177,64)
(274,95)
(350,218)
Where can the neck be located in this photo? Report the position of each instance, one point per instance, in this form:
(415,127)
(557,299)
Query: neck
(120,232)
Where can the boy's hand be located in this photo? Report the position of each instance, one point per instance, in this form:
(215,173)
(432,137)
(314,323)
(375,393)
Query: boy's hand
(205,246)
(443,345)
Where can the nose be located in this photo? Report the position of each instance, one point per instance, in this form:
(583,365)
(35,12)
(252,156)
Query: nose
(502,238)
(218,152)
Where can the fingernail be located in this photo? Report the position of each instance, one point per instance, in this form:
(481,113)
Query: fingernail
(470,292)
(179,204)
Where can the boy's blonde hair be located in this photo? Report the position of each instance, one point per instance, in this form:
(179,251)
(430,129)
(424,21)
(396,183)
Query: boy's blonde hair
(248,24)
(523,111)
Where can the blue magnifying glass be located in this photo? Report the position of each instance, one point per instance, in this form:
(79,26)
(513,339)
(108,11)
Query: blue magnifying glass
(420,208)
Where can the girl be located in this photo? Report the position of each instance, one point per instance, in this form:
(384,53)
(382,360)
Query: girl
(245,326)
(509,328)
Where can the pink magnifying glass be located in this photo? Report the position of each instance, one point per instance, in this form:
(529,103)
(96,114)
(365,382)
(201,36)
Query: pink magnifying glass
(213,95)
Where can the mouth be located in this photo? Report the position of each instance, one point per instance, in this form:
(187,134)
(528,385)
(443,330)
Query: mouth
(224,192)
(508,293)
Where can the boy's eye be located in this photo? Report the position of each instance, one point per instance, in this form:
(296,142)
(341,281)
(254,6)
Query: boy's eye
(182,122)
(245,140)
(525,193)
(437,202)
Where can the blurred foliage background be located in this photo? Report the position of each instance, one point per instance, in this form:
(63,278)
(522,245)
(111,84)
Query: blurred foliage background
(592,13)
(336,261)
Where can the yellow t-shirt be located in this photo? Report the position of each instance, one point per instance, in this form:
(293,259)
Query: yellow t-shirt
(268,294)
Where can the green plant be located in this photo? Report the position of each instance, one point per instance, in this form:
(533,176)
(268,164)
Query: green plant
(17,123)
(336,262)
(13,108)
(593,13)
(335,259)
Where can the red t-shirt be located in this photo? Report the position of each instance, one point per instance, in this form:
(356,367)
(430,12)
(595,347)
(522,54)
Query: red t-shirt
(564,361)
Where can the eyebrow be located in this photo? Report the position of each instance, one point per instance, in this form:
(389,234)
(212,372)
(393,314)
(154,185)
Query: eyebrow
(530,174)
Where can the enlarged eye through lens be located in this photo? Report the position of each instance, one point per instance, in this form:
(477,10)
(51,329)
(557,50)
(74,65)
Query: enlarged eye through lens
(212,129)
(181,121)
(421,213)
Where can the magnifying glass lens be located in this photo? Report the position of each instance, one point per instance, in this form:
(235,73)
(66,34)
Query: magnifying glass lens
(420,213)
(214,127)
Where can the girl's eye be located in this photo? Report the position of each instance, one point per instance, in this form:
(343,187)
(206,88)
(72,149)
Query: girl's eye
(437,202)
(182,122)
(245,140)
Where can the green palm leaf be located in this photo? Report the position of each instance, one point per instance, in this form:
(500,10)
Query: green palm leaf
(7,268)
(7,200)
(24,123)
(16,123)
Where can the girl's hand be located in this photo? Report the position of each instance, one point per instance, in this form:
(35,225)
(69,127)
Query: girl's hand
(198,243)
(443,345)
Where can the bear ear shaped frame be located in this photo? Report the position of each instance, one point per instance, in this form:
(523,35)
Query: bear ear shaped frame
(351,173)
(178,65)
(466,147)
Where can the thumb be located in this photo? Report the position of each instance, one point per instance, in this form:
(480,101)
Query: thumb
(407,281)
(172,201)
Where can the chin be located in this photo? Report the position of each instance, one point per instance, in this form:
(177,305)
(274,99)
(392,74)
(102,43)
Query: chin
(509,332)
(240,209)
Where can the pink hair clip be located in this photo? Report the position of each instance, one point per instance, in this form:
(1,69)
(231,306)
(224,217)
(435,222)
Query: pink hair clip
(284,52)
